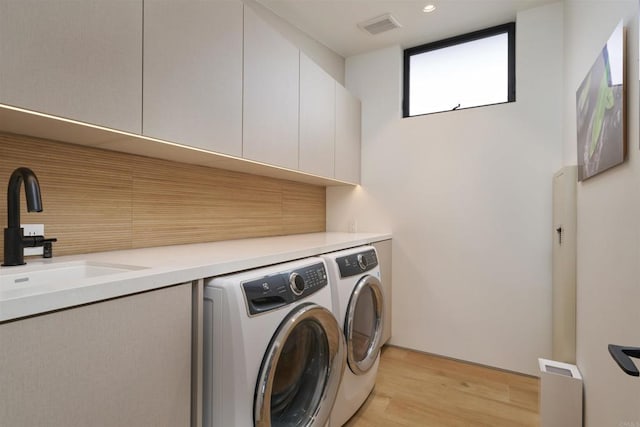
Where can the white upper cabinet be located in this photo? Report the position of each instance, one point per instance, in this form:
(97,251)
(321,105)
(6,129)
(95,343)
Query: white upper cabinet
(348,117)
(317,119)
(271,78)
(193,73)
(206,74)
(74,59)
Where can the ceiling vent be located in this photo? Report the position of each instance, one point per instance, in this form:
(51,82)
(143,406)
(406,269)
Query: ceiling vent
(380,24)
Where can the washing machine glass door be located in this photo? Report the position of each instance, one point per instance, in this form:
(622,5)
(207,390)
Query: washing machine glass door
(301,371)
(363,324)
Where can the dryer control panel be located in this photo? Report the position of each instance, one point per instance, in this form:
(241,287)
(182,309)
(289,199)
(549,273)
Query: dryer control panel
(354,264)
(274,291)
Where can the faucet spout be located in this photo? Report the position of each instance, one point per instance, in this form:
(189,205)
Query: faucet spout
(13,235)
(32,191)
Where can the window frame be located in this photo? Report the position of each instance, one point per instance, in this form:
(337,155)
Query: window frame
(508,28)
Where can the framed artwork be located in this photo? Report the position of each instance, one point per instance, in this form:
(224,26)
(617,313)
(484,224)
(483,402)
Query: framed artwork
(600,110)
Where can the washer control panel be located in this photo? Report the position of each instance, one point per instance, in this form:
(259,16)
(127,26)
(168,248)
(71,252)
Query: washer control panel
(274,291)
(354,264)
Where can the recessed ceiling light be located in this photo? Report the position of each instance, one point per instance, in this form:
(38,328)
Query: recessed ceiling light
(429,8)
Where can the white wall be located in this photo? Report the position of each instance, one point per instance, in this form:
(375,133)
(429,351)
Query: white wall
(608,281)
(330,61)
(467,195)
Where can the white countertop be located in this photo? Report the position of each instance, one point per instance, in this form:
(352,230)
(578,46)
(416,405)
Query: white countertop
(165,266)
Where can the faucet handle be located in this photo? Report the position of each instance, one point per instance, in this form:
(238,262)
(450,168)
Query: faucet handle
(33,241)
(36,241)
(47,247)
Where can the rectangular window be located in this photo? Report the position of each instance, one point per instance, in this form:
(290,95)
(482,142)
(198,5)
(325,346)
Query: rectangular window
(461,72)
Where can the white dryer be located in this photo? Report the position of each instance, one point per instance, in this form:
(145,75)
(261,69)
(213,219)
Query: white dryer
(274,354)
(358,304)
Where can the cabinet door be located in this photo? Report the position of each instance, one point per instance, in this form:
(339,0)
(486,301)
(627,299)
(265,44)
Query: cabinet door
(383,250)
(193,73)
(271,74)
(74,59)
(123,362)
(347,136)
(563,262)
(317,119)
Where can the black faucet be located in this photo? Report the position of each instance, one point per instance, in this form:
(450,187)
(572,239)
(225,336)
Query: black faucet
(14,239)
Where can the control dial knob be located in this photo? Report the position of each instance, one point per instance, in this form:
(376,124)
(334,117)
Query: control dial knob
(296,282)
(362,262)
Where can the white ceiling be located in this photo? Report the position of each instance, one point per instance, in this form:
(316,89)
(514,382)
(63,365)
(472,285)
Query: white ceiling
(334,22)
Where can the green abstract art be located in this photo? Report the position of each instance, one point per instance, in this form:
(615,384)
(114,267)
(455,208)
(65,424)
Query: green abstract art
(600,110)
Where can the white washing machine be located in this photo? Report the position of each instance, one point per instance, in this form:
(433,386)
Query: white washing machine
(358,303)
(274,353)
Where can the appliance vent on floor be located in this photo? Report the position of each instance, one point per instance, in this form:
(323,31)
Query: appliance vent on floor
(380,24)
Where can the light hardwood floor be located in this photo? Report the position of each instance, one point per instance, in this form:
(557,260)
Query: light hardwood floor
(416,389)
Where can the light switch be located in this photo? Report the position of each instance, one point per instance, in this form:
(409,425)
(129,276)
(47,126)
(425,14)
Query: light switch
(33,230)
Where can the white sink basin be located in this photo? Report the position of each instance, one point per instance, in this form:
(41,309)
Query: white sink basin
(62,273)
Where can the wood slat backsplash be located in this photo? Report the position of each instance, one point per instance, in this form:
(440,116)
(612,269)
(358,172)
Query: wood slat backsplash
(96,200)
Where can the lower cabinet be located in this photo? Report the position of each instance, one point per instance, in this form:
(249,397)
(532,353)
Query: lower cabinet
(122,362)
